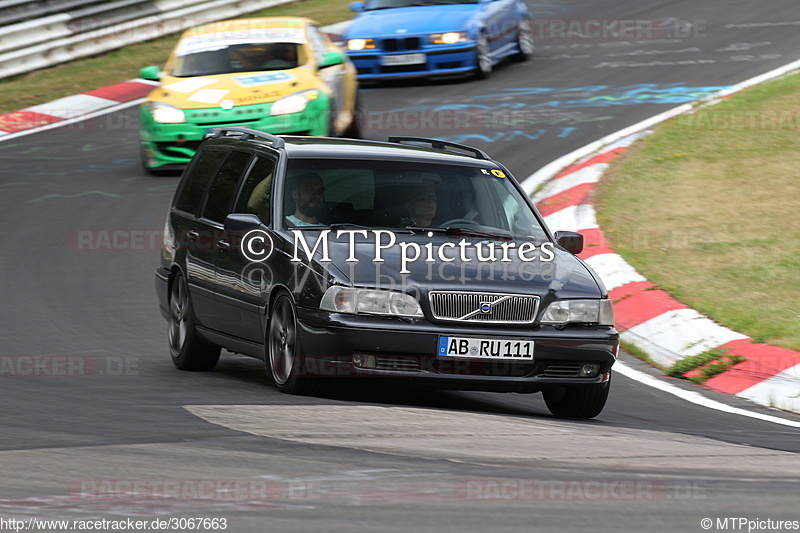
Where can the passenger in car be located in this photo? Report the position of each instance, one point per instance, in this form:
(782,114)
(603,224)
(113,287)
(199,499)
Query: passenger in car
(421,206)
(308,193)
(281,56)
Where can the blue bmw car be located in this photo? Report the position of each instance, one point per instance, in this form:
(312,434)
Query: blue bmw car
(422,38)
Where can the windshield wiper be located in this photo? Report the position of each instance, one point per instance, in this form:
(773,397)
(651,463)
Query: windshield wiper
(351,226)
(455,231)
(347,225)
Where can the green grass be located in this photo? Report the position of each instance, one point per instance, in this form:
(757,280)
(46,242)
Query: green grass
(641,354)
(707,208)
(120,65)
(709,364)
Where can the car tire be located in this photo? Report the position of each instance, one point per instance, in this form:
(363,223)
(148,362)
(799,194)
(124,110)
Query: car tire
(353,131)
(188,350)
(576,402)
(483,59)
(524,40)
(284,359)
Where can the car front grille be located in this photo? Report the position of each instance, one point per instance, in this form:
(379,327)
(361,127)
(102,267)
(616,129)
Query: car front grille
(222,124)
(483,307)
(397,69)
(407,43)
(562,370)
(464,367)
(397,363)
(219,117)
(180,149)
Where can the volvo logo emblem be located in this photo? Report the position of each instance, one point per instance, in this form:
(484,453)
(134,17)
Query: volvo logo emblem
(486,308)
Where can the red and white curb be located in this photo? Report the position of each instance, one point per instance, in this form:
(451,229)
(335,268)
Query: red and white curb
(74,108)
(647,317)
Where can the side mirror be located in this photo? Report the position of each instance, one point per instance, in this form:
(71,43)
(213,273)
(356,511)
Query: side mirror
(242,222)
(151,73)
(331,58)
(358,7)
(571,241)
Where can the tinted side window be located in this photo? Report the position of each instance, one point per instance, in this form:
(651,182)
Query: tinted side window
(256,195)
(220,194)
(195,183)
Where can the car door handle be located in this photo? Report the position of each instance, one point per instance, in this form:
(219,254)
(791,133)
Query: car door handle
(223,245)
(192,234)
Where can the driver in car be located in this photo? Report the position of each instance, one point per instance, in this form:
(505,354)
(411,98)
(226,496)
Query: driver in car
(308,193)
(274,56)
(421,206)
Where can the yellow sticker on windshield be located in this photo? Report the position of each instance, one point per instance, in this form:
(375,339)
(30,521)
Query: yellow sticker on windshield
(498,173)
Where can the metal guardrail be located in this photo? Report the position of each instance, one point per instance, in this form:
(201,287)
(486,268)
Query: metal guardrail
(12,11)
(39,34)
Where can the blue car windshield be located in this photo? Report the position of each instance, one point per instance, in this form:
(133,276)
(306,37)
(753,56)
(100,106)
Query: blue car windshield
(388,4)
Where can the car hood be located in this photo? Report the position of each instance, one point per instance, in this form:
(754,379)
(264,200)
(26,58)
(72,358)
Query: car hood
(565,276)
(401,21)
(243,88)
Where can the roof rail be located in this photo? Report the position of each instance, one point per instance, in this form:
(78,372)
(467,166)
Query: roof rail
(244,134)
(441,145)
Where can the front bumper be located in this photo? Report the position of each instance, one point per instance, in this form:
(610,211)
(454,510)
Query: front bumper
(171,145)
(407,351)
(450,61)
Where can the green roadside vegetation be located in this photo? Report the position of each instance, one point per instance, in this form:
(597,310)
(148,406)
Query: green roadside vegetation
(116,66)
(708,209)
(706,365)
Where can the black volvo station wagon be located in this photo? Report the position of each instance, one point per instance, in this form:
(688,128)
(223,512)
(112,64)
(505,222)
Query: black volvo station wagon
(413,259)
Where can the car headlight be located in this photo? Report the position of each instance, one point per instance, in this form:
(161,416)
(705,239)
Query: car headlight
(294,103)
(369,301)
(166,114)
(451,37)
(585,311)
(360,44)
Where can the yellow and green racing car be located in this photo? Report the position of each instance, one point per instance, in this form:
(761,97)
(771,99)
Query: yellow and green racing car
(280,75)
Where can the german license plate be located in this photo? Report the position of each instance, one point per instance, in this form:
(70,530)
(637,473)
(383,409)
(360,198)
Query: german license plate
(403,59)
(506,349)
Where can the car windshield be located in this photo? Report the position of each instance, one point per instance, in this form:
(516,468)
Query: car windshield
(388,4)
(220,58)
(406,196)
